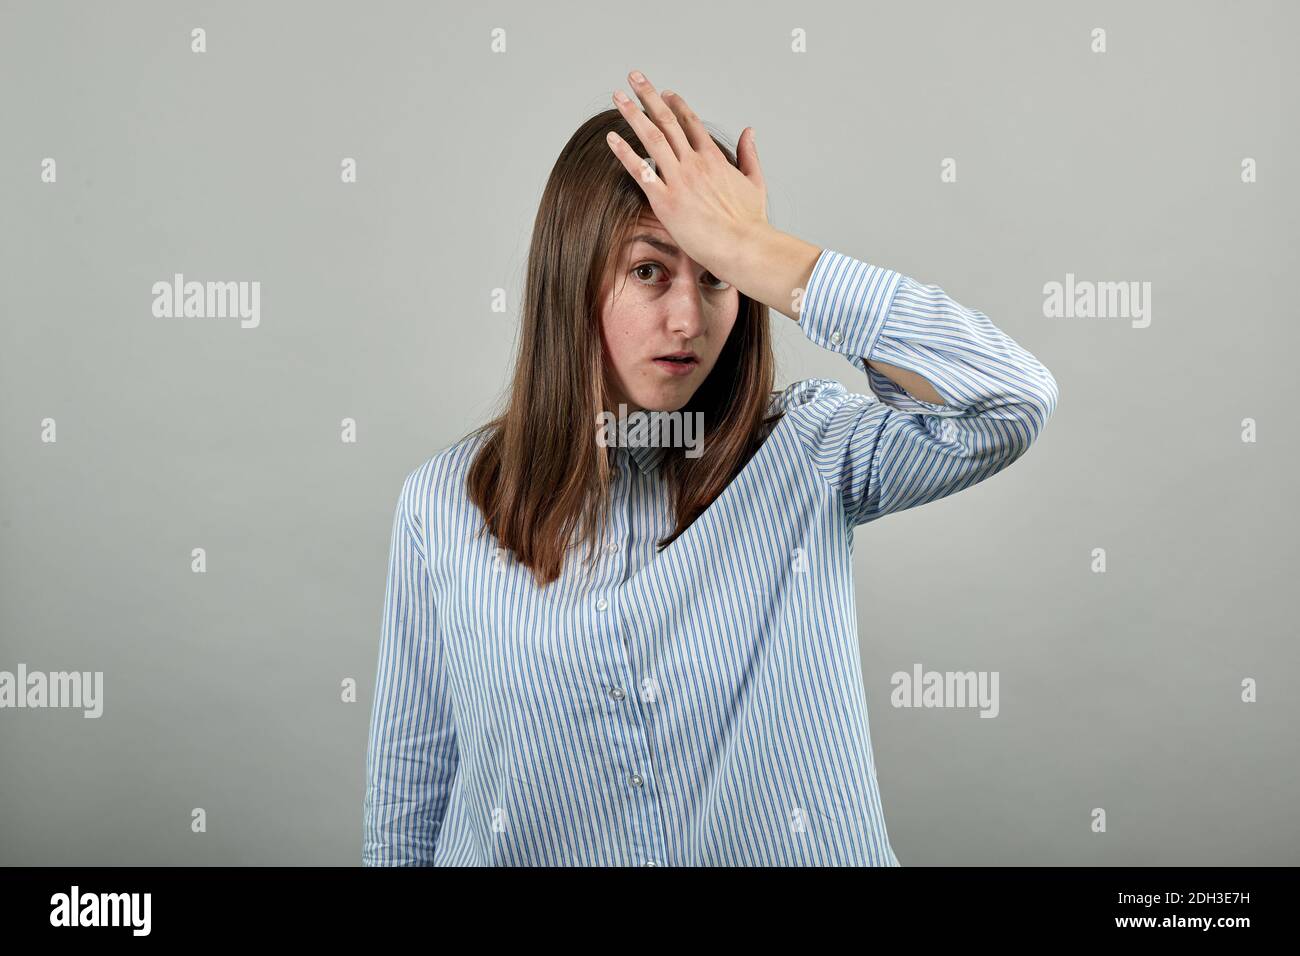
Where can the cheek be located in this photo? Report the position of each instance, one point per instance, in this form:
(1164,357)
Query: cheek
(623,334)
(622,350)
(722,328)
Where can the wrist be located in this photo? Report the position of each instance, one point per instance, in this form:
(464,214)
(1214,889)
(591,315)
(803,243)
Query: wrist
(770,266)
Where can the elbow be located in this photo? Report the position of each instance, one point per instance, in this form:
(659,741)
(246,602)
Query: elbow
(1051,391)
(1038,403)
(1019,423)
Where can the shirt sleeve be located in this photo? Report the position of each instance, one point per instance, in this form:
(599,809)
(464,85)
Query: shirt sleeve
(887,451)
(412,758)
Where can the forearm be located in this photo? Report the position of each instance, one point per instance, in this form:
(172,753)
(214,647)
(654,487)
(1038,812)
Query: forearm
(773,268)
(910,382)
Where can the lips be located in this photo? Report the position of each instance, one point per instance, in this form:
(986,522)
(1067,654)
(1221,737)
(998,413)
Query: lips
(677,363)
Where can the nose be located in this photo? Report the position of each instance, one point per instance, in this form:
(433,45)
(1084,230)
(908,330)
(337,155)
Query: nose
(685,309)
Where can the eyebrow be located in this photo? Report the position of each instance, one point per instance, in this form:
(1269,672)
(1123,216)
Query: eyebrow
(667,248)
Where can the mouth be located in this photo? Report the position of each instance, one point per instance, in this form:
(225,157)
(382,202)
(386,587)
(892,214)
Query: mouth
(682,358)
(678,363)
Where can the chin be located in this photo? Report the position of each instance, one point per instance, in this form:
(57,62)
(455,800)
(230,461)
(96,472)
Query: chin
(666,403)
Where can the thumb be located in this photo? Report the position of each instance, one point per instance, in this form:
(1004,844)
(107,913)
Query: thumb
(747,157)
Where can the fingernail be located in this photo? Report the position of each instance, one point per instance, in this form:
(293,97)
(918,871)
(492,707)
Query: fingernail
(638,76)
(620,96)
(667,93)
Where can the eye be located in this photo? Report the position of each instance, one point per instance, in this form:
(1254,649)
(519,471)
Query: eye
(716,284)
(646,265)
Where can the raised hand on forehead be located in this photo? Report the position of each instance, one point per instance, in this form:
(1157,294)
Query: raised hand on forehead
(705,203)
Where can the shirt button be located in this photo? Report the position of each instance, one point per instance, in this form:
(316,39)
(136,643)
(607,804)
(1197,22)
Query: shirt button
(836,338)
(649,863)
(602,604)
(612,547)
(618,693)
(637,780)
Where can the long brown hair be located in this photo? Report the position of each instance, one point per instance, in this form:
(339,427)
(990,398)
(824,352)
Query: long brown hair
(541,479)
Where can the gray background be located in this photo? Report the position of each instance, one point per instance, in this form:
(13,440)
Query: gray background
(1118,690)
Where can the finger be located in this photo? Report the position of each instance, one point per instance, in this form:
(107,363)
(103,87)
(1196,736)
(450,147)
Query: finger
(652,138)
(696,134)
(747,158)
(637,165)
(663,117)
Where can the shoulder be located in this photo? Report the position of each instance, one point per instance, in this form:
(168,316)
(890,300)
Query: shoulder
(438,482)
(824,415)
(814,397)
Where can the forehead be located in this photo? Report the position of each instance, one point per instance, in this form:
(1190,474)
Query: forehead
(648,230)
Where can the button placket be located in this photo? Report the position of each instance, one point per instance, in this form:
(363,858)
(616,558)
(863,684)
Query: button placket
(613,571)
(633,749)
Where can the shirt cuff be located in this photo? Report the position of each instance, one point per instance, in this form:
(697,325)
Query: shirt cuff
(845,305)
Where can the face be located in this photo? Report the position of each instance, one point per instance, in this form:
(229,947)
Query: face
(660,302)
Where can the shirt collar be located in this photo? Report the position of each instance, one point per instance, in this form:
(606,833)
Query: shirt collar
(647,453)
(647,457)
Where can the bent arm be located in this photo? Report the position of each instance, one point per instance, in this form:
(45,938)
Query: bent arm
(985,401)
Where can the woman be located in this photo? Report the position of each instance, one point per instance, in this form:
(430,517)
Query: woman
(690,691)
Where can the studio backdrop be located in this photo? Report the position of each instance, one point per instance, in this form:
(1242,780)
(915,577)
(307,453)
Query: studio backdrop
(195,510)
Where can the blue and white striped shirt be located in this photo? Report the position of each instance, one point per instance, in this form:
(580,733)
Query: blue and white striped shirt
(704,705)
